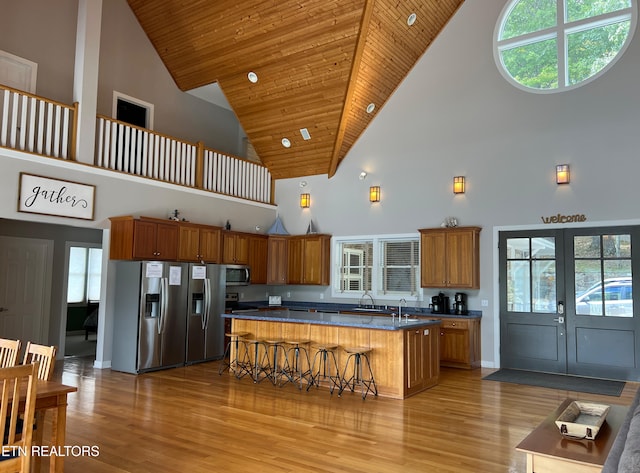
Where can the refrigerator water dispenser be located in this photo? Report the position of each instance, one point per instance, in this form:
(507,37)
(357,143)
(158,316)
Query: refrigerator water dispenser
(152,305)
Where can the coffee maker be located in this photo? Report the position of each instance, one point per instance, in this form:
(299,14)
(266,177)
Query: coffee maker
(460,303)
(440,304)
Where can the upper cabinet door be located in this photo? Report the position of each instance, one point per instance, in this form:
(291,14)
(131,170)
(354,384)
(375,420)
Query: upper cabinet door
(450,257)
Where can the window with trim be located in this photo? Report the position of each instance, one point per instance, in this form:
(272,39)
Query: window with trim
(385,267)
(554,45)
(85,269)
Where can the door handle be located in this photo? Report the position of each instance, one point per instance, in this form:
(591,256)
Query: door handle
(560,307)
(4,309)
(560,320)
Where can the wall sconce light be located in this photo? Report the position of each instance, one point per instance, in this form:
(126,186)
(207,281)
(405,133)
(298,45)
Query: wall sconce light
(562,174)
(374,194)
(458,185)
(305,201)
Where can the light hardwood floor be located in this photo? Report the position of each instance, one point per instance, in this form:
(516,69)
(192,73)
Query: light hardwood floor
(193,420)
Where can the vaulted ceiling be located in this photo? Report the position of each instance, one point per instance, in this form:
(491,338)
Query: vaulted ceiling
(321,65)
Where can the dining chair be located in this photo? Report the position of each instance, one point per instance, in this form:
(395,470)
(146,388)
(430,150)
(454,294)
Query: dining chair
(45,355)
(9,350)
(46,358)
(16,418)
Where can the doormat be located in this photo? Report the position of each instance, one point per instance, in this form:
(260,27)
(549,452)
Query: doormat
(558,381)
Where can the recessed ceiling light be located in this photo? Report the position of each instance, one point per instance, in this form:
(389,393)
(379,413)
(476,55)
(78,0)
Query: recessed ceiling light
(253,77)
(286,143)
(305,134)
(371,107)
(412,19)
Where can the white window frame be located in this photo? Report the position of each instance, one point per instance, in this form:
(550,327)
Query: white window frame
(141,103)
(87,276)
(376,291)
(559,32)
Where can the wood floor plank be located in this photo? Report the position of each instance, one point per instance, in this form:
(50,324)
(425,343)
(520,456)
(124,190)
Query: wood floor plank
(192,419)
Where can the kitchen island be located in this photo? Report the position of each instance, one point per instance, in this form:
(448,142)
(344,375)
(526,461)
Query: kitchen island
(405,357)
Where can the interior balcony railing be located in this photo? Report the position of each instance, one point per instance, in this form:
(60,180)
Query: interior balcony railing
(37,125)
(48,128)
(135,150)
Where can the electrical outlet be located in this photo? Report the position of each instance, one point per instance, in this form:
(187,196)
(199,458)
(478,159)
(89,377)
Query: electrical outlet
(485,303)
(242,295)
(321,296)
(288,294)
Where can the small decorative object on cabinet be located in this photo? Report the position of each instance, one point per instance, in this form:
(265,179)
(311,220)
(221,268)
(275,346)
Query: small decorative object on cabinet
(450,257)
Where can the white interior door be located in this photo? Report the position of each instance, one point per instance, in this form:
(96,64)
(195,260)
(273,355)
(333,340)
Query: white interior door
(18,72)
(25,288)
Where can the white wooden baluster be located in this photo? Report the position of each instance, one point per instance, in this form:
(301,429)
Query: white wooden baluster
(56,132)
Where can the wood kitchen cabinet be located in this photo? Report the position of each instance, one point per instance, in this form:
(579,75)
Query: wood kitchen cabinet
(199,243)
(277,260)
(309,259)
(460,342)
(450,257)
(144,239)
(422,359)
(258,254)
(235,247)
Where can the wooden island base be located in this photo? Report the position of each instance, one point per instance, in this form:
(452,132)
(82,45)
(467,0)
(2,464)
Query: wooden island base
(404,361)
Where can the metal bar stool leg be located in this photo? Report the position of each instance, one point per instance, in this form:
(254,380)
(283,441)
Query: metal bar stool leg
(227,362)
(324,362)
(293,369)
(367,385)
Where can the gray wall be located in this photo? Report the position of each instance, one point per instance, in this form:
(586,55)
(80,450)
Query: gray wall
(453,115)
(45,32)
(456,115)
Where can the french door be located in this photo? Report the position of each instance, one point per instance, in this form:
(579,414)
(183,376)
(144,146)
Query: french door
(566,301)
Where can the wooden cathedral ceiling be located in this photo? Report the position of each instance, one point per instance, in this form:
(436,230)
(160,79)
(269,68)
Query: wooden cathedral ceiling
(320,63)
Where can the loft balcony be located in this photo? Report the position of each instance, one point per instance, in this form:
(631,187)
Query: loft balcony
(47,128)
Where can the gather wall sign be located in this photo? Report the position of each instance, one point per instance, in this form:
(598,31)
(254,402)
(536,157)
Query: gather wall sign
(58,197)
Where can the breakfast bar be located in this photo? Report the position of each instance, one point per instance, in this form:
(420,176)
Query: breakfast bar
(404,356)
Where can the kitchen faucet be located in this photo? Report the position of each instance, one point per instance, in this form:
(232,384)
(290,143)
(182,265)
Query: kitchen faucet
(406,316)
(366,294)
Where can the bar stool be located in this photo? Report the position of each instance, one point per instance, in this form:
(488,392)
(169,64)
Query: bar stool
(358,355)
(259,365)
(233,365)
(293,369)
(275,371)
(325,359)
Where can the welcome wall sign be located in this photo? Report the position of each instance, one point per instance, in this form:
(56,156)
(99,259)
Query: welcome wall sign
(565,218)
(47,196)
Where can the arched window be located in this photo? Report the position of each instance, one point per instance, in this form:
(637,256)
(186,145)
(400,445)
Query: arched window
(554,45)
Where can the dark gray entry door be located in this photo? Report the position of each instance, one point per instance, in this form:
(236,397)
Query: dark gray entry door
(566,302)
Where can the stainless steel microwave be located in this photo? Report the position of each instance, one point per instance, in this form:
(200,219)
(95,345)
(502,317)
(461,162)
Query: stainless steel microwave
(238,275)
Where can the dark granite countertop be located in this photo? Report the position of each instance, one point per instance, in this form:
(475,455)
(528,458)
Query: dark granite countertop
(331,318)
(380,310)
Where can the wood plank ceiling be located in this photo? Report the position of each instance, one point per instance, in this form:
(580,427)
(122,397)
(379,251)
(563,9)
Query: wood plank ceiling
(320,63)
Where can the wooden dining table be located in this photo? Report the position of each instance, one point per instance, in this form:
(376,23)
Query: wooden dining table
(52,395)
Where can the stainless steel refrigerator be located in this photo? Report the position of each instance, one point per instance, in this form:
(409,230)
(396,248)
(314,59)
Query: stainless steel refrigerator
(205,326)
(150,307)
